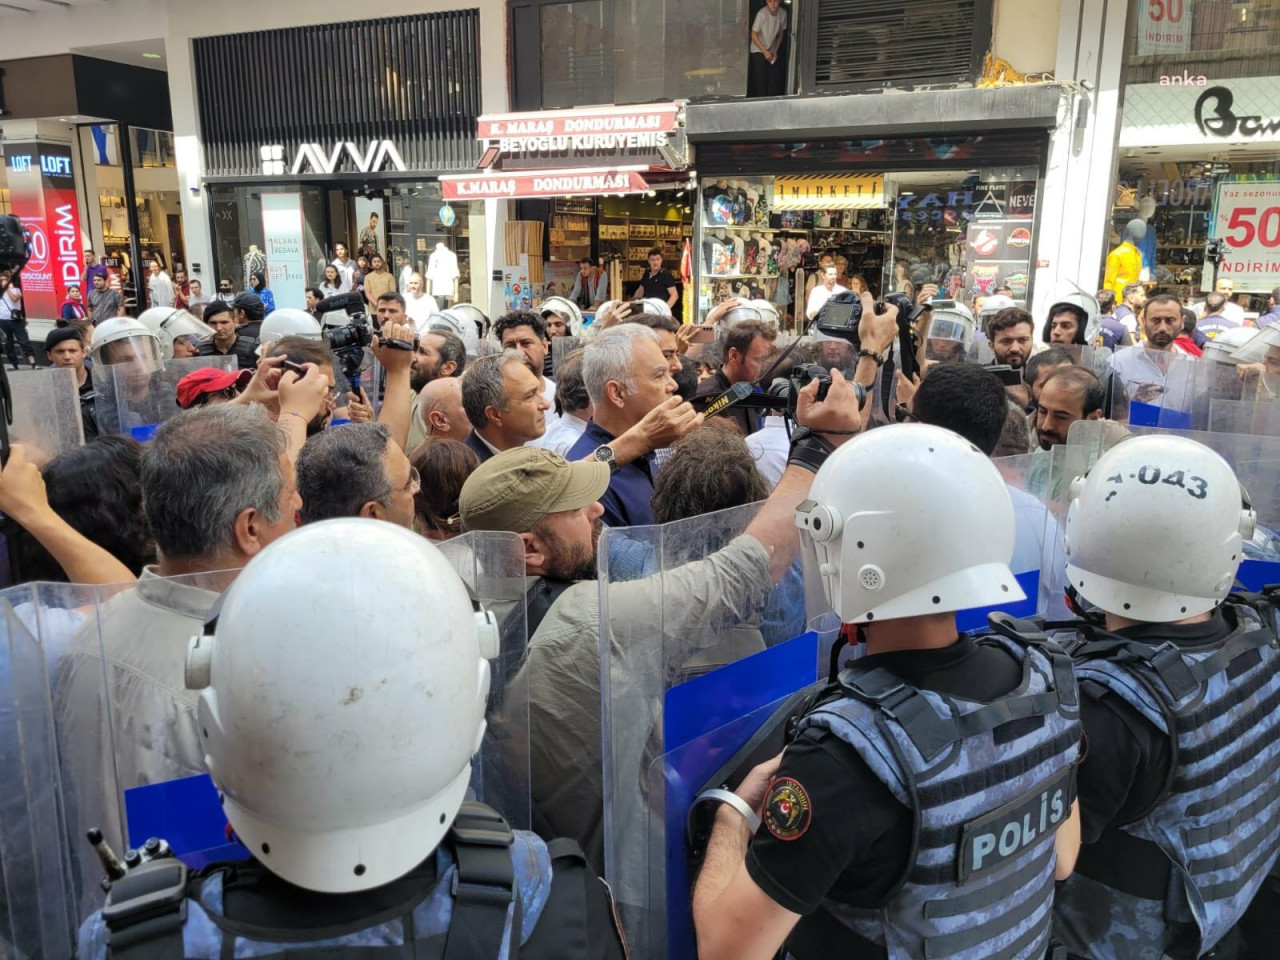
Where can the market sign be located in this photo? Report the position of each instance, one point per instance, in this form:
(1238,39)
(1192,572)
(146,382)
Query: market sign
(546,183)
(828,193)
(1200,111)
(650,135)
(1246,216)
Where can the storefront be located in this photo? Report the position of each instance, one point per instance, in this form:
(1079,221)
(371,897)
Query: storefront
(1199,148)
(352,166)
(959,212)
(607,184)
(89,167)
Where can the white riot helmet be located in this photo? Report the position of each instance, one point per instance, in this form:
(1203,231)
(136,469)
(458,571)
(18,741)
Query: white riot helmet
(1223,347)
(889,546)
(1256,348)
(729,313)
(168,324)
(953,323)
(991,306)
(653,307)
(126,340)
(474,315)
(289,322)
(566,310)
(1085,307)
(341,742)
(1154,531)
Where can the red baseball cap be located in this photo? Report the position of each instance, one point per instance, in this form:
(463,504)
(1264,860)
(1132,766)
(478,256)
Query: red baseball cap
(209,380)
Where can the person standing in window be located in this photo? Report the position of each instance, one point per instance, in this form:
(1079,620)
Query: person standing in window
(767,32)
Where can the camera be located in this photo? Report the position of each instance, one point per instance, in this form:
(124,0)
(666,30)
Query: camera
(1215,250)
(15,247)
(348,341)
(841,315)
(788,388)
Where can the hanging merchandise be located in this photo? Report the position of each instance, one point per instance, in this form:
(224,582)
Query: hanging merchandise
(447,217)
(442,272)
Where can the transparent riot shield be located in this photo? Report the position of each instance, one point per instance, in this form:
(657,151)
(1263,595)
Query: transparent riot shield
(1158,388)
(1258,417)
(46,412)
(561,347)
(701,656)
(144,405)
(37,901)
(492,566)
(1043,583)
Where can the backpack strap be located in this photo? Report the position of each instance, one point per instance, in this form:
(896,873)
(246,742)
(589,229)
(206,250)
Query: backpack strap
(146,911)
(484,888)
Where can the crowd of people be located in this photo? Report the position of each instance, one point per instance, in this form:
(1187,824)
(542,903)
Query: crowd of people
(936,799)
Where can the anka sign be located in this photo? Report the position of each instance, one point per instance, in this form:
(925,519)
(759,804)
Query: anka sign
(343,157)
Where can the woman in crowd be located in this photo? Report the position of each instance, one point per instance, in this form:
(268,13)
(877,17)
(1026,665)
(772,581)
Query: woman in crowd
(444,466)
(266,296)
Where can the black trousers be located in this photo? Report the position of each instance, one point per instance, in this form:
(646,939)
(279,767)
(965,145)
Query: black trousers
(15,336)
(766,79)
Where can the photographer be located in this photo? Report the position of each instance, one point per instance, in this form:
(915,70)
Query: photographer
(746,347)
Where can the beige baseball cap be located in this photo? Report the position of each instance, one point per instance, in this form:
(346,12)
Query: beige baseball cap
(517,488)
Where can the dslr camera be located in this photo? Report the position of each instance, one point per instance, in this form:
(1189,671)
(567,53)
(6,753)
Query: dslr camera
(788,388)
(348,341)
(841,315)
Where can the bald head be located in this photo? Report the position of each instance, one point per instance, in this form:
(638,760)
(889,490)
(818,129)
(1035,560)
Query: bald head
(440,405)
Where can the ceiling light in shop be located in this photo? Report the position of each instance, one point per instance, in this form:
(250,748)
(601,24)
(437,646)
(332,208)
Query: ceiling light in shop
(151,56)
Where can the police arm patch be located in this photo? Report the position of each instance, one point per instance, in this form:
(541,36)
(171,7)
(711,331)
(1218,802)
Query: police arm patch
(787,810)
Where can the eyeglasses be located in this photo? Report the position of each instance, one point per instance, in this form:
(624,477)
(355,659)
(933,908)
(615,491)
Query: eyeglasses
(413,485)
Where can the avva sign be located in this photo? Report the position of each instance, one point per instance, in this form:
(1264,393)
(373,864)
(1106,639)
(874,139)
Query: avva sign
(378,155)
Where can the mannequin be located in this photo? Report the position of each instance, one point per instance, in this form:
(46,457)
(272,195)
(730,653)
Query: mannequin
(442,273)
(255,260)
(1147,246)
(1124,263)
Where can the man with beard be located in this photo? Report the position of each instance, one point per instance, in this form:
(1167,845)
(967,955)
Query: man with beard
(1011,332)
(1141,369)
(1068,394)
(440,354)
(553,505)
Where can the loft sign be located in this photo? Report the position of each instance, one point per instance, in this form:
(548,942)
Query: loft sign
(318,158)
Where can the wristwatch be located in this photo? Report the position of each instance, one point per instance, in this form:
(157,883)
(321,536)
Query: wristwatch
(604,454)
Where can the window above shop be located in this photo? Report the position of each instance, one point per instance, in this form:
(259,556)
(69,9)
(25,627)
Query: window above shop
(1195,42)
(865,43)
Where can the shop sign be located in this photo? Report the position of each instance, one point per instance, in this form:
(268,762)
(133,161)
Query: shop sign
(1246,216)
(282,229)
(650,135)
(549,183)
(326,159)
(828,193)
(42,192)
(1244,110)
(1164,26)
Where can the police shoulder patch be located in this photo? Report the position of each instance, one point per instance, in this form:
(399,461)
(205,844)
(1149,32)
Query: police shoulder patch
(787,810)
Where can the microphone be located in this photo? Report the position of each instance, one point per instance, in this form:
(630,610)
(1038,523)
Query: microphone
(735,394)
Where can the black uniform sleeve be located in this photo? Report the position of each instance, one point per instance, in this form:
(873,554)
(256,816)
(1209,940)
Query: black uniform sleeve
(854,829)
(1125,766)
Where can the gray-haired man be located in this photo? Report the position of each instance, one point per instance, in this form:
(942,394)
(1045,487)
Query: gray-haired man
(503,400)
(217,488)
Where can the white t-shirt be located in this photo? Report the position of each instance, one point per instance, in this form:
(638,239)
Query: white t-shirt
(770,446)
(768,26)
(420,309)
(819,296)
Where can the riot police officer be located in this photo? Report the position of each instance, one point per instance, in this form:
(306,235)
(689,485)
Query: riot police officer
(1180,790)
(339,726)
(919,811)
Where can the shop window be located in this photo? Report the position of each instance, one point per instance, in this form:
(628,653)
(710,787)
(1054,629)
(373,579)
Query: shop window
(1198,41)
(598,51)
(970,232)
(859,43)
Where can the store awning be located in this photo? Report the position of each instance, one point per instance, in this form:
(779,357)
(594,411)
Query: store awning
(544,183)
(828,193)
(882,114)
